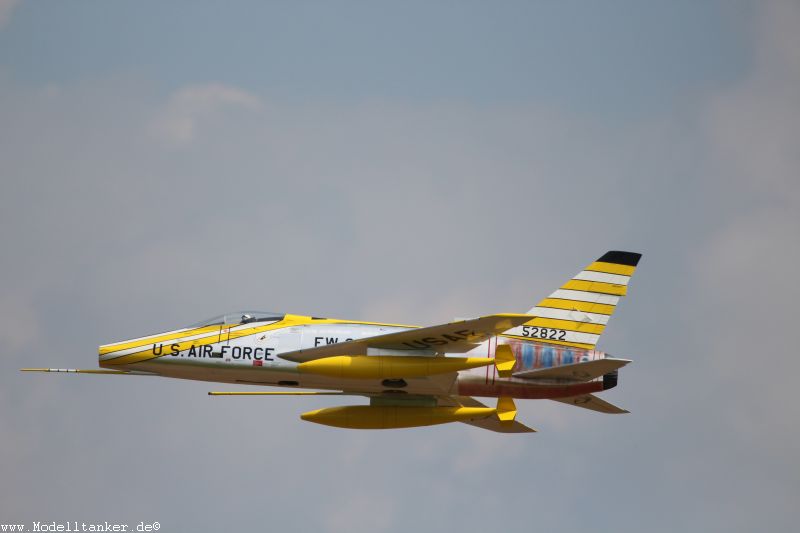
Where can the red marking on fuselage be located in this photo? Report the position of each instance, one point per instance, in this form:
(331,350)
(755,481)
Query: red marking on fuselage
(488,355)
(494,367)
(528,391)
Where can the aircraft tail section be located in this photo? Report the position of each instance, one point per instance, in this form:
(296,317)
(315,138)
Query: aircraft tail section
(577,313)
(592,402)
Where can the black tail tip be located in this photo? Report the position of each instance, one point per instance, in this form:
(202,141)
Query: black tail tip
(621,258)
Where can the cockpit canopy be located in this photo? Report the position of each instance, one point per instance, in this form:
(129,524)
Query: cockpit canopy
(239,317)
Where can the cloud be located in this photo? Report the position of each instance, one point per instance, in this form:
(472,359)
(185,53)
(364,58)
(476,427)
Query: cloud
(755,125)
(413,213)
(191,106)
(754,130)
(20,323)
(6,8)
(748,315)
(478,451)
(360,510)
(338,210)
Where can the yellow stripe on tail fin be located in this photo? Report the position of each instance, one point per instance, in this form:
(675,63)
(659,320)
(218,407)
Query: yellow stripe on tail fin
(577,313)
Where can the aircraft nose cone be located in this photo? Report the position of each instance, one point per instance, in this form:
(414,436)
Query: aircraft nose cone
(102,351)
(108,353)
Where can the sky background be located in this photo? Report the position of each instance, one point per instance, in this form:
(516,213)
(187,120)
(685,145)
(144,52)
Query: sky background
(403,162)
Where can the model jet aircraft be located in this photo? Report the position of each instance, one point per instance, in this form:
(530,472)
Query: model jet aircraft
(412,376)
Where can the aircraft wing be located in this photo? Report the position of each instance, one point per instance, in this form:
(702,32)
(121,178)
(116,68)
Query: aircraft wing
(585,371)
(453,337)
(590,401)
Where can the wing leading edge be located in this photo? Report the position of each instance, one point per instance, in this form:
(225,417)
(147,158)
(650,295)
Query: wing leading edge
(453,337)
(592,402)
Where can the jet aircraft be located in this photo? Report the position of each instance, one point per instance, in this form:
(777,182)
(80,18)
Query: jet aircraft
(412,376)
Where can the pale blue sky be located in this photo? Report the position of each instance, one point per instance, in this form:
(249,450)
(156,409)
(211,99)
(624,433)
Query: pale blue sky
(161,162)
(607,58)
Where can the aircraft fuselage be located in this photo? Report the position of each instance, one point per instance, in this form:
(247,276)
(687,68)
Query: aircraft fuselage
(250,353)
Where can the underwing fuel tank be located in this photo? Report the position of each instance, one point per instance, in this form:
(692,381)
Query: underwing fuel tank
(401,416)
(386,367)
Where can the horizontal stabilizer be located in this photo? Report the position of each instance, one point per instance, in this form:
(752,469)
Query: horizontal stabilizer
(453,337)
(590,401)
(585,371)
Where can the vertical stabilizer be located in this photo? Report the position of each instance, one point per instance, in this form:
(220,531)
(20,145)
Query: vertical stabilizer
(577,313)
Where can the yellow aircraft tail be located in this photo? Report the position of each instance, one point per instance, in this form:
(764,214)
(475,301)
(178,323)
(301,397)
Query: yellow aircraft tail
(577,313)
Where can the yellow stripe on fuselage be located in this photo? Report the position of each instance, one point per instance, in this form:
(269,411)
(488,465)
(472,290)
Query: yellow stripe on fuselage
(574,305)
(155,339)
(611,268)
(595,286)
(580,327)
(345,322)
(147,353)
